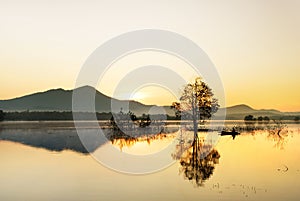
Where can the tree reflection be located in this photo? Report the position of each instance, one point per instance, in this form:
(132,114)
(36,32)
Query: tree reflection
(128,141)
(122,142)
(197,163)
(279,134)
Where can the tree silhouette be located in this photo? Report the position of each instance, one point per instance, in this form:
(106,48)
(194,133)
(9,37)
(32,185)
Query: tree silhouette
(121,120)
(250,122)
(176,106)
(260,120)
(145,121)
(266,120)
(197,102)
(1,115)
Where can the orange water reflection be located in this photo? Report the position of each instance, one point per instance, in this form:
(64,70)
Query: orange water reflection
(198,162)
(251,167)
(144,144)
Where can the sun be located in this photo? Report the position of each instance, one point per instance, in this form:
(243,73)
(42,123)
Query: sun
(153,95)
(139,96)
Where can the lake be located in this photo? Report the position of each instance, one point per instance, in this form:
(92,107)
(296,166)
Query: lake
(46,161)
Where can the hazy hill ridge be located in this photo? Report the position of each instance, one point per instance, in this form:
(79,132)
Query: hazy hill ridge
(240,111)
(61,100)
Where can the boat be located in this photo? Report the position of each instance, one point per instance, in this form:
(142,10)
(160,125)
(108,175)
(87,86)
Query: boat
(233,133)
(229,133)
(203,129)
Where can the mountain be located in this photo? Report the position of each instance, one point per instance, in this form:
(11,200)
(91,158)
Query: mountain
(240,111)
(61,100)
(237,109)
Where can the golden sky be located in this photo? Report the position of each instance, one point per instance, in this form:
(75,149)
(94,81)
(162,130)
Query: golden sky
(254,44)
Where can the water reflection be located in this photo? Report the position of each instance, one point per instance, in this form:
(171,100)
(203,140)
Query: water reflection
(63,138)
(129,141)
(197,159)
(276,131)
(250,168)
(53,140)
(278,134)
(197,163)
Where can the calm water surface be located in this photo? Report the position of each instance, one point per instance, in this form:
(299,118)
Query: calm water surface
(50,164)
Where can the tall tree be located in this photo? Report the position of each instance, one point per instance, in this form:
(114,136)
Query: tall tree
(197,102)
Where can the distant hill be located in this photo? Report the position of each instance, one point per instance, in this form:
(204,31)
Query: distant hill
(61,100)
(240,111)
(237,109)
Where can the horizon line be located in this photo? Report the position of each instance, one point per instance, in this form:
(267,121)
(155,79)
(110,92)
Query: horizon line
(71,89)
